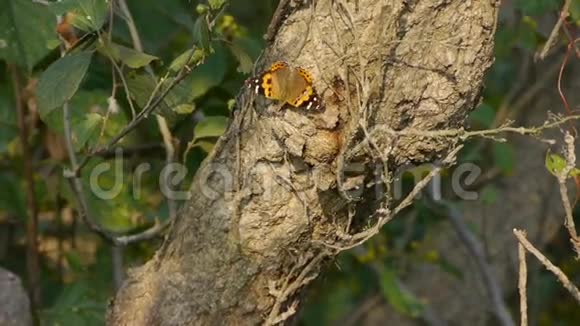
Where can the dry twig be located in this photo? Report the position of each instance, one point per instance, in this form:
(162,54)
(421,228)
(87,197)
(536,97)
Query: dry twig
(522,284)
(521,236)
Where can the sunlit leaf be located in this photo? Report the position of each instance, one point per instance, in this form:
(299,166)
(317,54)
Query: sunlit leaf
(184,108)
(193,55)
(555,163)
(132,58)
(216,4)
(201,9)
(59,82)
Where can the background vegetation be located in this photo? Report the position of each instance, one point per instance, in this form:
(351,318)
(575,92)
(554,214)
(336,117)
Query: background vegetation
(106,84)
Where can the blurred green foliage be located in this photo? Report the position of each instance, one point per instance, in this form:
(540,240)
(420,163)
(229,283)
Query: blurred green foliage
(223,39)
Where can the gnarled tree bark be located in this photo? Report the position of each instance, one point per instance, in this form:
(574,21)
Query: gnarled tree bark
(279,184)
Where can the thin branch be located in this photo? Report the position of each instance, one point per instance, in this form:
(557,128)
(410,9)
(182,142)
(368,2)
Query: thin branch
(555,31)
(475,249)
(32,256)
(276,21)
(522,284)
(290,288)
(521,236)
(562,177)
(463,134)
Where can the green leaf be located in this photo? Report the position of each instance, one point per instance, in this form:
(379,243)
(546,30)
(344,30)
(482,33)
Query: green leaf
(179,62)
(555,163)
(78,304)
(11,196)
(132,58)
(60,81)
(201,9)
(210,127)
(142,86)
(483,115)
(216,4)
(184,108)
(527,33)
(245,62)
(90,15)
(25,30)
(575,11)
(74,261)
(401,301)
(207,75)
(537,7)
(87,130)
(503,156)
(201,34)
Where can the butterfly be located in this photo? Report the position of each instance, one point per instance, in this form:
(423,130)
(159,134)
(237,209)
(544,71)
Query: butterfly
(288,85)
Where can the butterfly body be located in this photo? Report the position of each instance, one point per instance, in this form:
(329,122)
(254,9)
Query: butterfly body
(292,85)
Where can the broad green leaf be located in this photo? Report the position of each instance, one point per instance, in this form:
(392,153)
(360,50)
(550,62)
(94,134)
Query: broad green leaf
(503,156)
(201,34)
(87,130)
(207,75)
(132,58)
(59,82)
(180,61)
(483,115)
(210,127)
(90,15)
(401,301)
(25,30)
(555,163)
(142,86)
(245,62)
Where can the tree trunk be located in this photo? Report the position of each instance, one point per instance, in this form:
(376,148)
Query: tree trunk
(281,183)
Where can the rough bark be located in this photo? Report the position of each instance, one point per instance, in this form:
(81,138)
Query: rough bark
(274,187)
